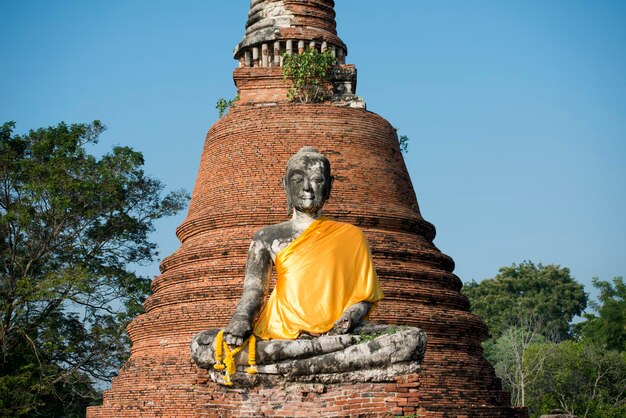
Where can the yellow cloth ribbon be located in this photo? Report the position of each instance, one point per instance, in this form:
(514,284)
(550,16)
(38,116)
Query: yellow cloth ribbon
(325,270)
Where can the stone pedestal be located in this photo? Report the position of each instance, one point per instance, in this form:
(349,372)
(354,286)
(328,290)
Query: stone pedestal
(397,398)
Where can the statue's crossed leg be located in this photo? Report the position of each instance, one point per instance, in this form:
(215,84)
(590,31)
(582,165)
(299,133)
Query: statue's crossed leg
(372,353)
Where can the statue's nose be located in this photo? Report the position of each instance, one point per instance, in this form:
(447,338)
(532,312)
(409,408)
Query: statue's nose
(307,184)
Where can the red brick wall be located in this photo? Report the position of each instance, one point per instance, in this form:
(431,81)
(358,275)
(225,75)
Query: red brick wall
(266,86)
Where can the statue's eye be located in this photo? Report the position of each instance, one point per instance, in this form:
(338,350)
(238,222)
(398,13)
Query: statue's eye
(297,179)
(317,179)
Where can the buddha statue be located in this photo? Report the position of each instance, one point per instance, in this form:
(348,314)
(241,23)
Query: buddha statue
(313,326)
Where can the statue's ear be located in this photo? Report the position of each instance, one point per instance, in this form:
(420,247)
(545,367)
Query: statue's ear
(287,194)
(329,188)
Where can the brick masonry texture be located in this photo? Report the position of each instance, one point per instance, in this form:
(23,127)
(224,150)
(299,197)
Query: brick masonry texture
(400,397)
(238,191)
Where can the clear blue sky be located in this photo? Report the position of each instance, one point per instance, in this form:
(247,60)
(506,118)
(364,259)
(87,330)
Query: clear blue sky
(516,110)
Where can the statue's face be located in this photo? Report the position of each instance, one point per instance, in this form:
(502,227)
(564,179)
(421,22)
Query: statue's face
(307,185)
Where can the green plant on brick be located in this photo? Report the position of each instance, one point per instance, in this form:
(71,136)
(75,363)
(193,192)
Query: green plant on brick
(223,105)
(403,141)
(308,73)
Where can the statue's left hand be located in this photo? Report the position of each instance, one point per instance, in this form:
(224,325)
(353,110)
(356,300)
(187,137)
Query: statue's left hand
(351,318)
(236,331)
(342,325)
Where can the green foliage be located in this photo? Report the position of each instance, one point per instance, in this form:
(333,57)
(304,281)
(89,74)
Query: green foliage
(581,379)
(308,72)
(403,141)
(223,105)
(71,228)
(608,327)
(525,306)
(528,291)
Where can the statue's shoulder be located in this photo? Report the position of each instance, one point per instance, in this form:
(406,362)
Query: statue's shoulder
(269,234)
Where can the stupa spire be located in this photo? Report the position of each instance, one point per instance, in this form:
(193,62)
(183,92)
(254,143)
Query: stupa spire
(278,26)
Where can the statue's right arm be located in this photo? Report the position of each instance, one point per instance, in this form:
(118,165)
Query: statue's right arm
(258,269)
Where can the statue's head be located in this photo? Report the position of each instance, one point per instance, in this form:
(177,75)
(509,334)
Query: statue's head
(307,181)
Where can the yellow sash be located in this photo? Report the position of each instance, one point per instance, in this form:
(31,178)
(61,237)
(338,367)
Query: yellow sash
(321,273)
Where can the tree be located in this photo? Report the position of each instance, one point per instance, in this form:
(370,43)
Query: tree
(608,328)
(581,379)
(525,291)
(518,357)
(72,226)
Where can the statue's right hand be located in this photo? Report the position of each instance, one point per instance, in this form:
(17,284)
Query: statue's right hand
(236,332)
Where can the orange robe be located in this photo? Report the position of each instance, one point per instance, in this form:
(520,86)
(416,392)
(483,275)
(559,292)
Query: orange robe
(325,270)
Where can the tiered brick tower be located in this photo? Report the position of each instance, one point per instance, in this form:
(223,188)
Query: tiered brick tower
(237,191)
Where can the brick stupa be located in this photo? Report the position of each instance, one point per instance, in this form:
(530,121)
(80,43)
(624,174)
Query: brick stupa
(237,191)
